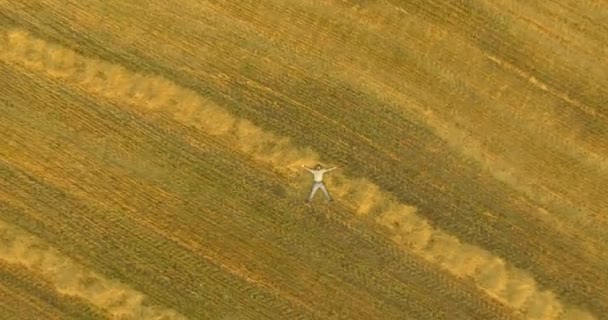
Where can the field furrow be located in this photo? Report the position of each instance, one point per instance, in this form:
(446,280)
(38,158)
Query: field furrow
(500,280)
(72,279)
(234,253)
(158,157)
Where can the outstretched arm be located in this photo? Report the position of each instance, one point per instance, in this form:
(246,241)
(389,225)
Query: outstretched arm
(307,168)
(331,169)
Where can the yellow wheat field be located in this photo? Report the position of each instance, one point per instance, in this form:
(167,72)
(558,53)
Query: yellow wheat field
(155,172)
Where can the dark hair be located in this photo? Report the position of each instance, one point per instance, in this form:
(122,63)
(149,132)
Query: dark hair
(318,166)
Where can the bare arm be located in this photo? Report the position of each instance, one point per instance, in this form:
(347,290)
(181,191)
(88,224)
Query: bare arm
(307,168)
(331,169)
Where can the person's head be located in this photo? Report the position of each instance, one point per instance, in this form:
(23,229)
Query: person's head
(318,167)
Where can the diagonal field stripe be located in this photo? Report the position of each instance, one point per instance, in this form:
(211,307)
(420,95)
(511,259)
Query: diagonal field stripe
(70,278)
(511,286)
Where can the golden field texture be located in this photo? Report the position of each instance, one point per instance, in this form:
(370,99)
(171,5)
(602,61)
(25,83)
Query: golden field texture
(151,152)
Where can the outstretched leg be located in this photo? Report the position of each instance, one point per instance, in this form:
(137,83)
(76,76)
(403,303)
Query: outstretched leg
(315,187)
(324,189)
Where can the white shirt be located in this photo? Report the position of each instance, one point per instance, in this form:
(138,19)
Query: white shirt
(318,174)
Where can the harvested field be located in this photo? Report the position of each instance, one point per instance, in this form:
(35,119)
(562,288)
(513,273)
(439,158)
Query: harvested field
(151,153)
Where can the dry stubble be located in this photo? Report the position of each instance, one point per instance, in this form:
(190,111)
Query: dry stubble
(511,286)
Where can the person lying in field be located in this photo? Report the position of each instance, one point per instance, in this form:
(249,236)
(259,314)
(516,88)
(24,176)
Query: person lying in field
(317,173)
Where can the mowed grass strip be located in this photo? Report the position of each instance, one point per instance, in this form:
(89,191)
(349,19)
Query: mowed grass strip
(520,237)
(569,279)
(541,304)
(120,248)
(362,282)
(223,77)
(70,279)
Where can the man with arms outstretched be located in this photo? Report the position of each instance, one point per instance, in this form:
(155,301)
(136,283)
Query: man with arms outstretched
(317,173)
